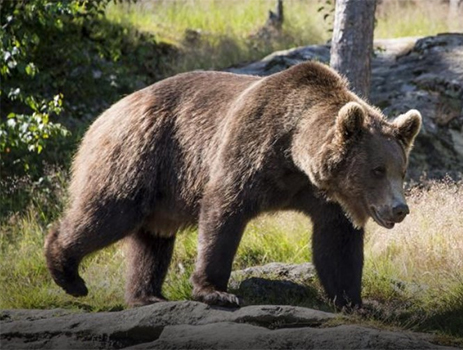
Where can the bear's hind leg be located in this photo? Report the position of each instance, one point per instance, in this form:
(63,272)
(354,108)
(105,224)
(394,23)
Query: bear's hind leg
(85,229)
(63,265)
(149,259)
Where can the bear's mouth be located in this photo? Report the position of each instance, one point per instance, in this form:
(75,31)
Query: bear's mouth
(377,218)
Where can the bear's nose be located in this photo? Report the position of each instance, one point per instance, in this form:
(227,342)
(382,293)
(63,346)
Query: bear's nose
(400,211)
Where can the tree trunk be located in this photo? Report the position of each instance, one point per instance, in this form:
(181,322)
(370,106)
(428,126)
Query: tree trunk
(453,15)
(352,42)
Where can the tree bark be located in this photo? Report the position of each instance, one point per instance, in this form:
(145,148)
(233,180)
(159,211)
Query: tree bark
(453,15)
(352,42)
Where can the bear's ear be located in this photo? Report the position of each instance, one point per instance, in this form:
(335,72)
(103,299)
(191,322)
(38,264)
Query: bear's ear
(350,121)
(408,126)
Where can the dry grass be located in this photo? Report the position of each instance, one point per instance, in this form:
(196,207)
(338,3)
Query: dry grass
(414,273)
(401,18)
(429,243)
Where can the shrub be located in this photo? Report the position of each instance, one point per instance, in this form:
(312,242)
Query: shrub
(61,64)
(28,95)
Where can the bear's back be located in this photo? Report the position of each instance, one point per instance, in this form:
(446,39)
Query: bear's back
(159,141)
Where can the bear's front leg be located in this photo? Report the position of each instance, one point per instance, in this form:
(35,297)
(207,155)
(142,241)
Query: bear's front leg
(338,255)
(220,229)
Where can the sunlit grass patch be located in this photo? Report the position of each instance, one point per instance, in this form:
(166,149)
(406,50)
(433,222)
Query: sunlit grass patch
(282,237)
(215,34)
(26,283)
(429,243)
(399,18)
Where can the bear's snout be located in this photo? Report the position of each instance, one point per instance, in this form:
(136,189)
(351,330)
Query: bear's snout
(388,216)
(400,211)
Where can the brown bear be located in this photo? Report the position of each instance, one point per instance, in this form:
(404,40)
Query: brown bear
(216,149)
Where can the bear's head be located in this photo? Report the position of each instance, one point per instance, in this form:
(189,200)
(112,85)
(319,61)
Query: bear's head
(364,163)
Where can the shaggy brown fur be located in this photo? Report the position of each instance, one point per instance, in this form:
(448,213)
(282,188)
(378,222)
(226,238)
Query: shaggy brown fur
(216,149)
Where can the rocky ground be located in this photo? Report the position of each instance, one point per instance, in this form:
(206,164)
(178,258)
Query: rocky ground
(426,74)
(192,325)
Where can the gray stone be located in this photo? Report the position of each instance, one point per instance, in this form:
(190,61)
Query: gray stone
(226,335)
(174,325)
(293,272)
(21,314)
(276,283)
(145,324)
(280,60)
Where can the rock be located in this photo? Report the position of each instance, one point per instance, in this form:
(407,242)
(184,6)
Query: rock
(293,272)
(20,314)
(226,335)
(280,60)
(174,325)
(420,73)
(276,283)
(426,75)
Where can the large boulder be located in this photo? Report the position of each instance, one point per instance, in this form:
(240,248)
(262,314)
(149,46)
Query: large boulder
(420,73)
(192,325)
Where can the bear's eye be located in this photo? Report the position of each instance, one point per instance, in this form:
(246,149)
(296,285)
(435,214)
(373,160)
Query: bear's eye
(379,171)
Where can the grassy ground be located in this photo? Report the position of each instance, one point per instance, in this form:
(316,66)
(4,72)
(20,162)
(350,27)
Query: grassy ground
(216,34)
(400,18)
(413,275)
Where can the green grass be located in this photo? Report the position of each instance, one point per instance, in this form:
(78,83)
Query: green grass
(25,282)
(225,32)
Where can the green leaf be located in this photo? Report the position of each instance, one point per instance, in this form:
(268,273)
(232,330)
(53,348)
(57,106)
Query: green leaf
(30,101)
(31,69)
(4,70)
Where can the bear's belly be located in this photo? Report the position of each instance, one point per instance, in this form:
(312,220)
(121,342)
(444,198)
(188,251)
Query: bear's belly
(167,224)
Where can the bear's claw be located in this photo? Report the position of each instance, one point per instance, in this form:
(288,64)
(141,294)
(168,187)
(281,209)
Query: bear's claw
(220,299)
(76,288)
